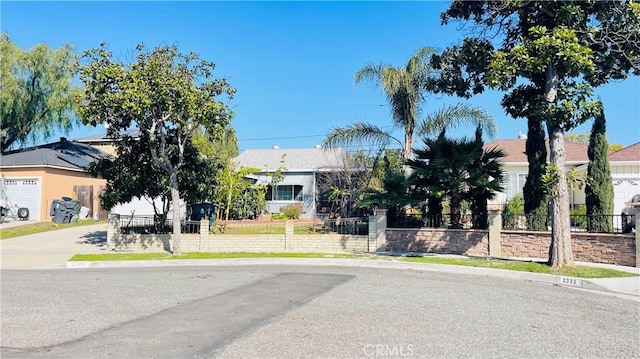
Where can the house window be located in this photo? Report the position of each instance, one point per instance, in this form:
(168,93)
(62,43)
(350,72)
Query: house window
(515,184)
(285,193)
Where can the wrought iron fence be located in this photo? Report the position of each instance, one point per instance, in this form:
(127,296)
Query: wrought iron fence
(348,225)
(579,223)
(462,221)
(154,224)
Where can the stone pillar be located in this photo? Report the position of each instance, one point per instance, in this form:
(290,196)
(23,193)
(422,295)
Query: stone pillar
(636,206)
(288,234)
(495,230)
(113,229)
(378,231)
(204,235)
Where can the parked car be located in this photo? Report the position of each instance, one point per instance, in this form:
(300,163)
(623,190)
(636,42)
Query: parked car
(629,215)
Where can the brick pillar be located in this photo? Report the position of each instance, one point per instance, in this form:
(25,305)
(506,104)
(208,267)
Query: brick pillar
(204,235)
(113,230)
(378,231)
(636,206)
(288,234)
(495,230)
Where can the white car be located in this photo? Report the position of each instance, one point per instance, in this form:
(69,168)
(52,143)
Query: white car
(629,215)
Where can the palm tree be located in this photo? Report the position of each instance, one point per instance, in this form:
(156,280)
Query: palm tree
(460,170)
(404,88)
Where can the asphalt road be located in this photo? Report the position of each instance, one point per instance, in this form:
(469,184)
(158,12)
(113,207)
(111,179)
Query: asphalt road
(295,312)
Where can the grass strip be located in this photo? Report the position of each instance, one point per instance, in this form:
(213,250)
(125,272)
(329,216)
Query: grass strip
(40,227)
(514,265)
(525,266)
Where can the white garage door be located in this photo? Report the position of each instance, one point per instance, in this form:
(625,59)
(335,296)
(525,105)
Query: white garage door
(623,191)
(25,192)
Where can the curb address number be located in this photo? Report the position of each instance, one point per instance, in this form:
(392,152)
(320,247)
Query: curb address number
(571,281)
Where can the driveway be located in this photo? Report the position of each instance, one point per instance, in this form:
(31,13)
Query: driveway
(52,249)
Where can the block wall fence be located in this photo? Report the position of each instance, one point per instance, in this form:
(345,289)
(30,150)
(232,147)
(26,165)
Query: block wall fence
(619,249)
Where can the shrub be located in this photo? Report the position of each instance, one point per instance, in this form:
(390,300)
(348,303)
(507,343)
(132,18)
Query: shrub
(292,211)
(279,217)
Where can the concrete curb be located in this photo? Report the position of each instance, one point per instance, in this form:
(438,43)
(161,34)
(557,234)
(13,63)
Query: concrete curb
(558,280)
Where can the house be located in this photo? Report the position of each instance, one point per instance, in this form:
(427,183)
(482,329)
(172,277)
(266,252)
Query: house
(300,168)
(625,172)
(624,165)
(34,177)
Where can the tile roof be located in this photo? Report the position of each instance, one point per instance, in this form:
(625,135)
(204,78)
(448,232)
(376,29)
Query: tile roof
(62,154)
(295,160)
(629,153)
(516,150)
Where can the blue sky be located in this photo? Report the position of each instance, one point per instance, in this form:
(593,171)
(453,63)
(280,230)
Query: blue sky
(292,63)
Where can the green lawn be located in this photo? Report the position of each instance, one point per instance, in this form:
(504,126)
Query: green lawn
(522,266)
(42,227)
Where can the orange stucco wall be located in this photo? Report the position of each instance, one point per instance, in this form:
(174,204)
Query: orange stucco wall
(57,183)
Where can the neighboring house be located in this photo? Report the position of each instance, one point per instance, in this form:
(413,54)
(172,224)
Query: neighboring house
(300,168)
(137,206)
(624,164)
(625,172)
(34,177)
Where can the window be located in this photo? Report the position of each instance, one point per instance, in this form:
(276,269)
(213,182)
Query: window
(515,184)
(285,193)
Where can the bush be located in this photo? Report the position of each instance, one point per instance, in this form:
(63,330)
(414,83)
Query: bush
(279,217)
(292,211)
(579,216)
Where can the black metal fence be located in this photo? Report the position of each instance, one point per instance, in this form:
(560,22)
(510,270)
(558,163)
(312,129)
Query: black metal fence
(579,223)
(348,225)
(462,221)
(154,224)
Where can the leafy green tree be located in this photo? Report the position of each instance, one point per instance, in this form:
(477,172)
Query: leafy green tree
(392,196)
(553,52)
(132,173)
(36,95)
(599,185)
(584,138)
(165,95)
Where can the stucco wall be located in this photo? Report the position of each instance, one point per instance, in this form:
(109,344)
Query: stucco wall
(57,183)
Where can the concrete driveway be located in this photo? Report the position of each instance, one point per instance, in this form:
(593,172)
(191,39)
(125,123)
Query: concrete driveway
(52,249)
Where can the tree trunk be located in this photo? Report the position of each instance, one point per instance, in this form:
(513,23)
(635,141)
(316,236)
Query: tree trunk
(175,203)
(560,253)
(407,153)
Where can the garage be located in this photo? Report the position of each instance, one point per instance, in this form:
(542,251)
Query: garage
(624,190)
(25,192)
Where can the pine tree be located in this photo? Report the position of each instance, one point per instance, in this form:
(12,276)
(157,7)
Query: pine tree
(536,203)
(599,188)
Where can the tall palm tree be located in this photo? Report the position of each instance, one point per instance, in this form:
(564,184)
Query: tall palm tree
(405,88)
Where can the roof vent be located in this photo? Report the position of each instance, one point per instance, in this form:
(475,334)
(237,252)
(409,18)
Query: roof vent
(317,146)
(276,147)
(522,136)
